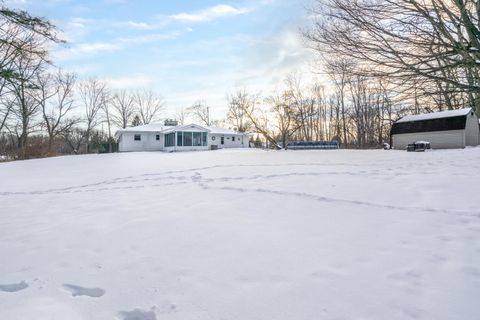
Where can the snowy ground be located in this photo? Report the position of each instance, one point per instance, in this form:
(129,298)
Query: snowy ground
(242,235)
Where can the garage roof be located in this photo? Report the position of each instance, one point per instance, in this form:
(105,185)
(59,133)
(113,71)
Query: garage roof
(436,115)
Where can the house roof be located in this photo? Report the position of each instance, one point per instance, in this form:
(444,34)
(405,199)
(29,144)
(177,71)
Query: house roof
(189,127)
(157,127)
(152,127)
(218,130)
(435,115)
(430,122)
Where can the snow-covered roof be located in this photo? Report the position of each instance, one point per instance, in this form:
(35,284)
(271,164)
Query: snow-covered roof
(157,127)
(217,130)
(152,127)
(189,127)
(436,115)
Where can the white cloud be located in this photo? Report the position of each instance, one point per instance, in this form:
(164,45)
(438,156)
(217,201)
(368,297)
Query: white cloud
(15,2)
(137,81)
(148,38)
(113,45)
(215,12)
(83,49)
(138,25)
(97,47)
(74,29)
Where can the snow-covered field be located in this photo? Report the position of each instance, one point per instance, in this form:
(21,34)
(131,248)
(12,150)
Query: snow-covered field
(242,235)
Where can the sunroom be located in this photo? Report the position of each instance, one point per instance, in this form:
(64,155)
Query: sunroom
(186,138)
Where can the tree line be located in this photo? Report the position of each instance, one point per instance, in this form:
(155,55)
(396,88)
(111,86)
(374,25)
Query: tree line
(50,113)
(354,111)
(386,58)
(382,59)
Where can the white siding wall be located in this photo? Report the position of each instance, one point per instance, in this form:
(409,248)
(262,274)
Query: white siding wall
(241,140)
(148,142)
(472,131)
(438,139)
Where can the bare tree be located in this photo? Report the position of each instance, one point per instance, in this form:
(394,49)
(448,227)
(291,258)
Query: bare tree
(94,97)
(181,116)
(123,107)
(107,114)
(257,116)
(284,116)
(4,113)
(321,127)
(237,104)
(74,137)
(149,105)
(201,112)
(340,70)
(5,107)
(56,98)
(435,42)
(23,53)
(24,106)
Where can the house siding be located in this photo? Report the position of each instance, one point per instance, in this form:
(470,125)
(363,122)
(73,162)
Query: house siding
(148,142)
(438,139)
(241,141)
(472,131)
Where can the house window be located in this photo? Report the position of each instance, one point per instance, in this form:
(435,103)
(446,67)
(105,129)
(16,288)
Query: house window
(233,139)
(191,139)
(197,139)
(137,137)
(170,139)
(222,140)
(157,137)
(187,139)
(180,138)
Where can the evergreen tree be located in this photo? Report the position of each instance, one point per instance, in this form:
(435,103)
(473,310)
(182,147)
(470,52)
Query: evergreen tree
(136,121)
(18,31)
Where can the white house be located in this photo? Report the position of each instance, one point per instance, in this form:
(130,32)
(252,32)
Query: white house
(157,137)
(444,130)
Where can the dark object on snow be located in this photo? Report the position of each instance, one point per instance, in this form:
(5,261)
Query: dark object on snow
(386,146)
(419,146)
(312,145)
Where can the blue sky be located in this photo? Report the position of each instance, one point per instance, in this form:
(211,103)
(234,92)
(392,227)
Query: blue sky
(184,50)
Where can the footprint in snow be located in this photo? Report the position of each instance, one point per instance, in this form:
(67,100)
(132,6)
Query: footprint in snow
(138,314)
(14,287)
(81,291)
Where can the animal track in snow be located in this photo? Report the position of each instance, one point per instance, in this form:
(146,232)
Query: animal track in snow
(160,176)
(14,287)
(171,178)
(82,291)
